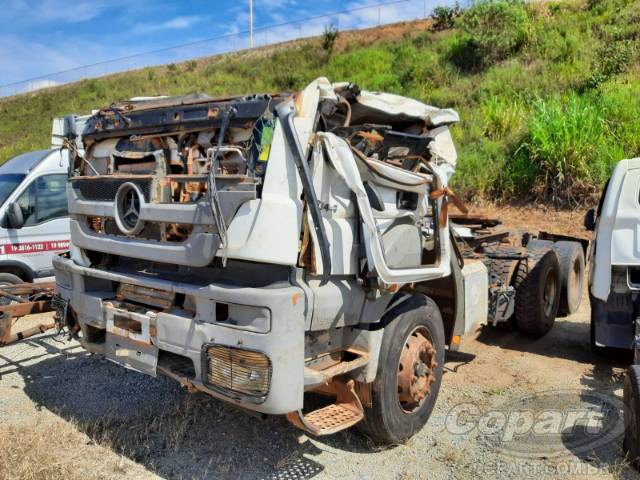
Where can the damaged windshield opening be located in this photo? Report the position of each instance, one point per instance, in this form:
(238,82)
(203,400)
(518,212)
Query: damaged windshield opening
(213,158)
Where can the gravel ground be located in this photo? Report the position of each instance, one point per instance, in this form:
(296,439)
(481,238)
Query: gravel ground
(156,429)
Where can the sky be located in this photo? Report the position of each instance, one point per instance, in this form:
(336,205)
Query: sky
(42,37)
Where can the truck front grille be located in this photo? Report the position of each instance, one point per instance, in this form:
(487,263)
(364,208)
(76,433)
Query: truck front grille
(105,189)
(239,370)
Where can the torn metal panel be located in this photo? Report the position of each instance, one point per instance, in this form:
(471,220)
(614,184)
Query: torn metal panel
(20,300)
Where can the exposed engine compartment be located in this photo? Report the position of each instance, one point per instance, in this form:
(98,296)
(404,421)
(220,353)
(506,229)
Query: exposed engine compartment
(188,175)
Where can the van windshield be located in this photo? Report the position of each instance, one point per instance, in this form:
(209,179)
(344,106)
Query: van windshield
(8,183)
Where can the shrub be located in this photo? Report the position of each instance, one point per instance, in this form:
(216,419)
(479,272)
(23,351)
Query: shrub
(558,44)
(191,66)
(621,103)
(465,54)
(328,39)
(612,59)
(479,169)
(502,117)
(494,29)
(444,17)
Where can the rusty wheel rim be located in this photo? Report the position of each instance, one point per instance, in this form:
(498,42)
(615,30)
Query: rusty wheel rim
(416,370)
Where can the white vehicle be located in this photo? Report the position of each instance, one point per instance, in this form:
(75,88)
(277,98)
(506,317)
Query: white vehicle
(614,278)
(34,224)
(614,284)
(258,247)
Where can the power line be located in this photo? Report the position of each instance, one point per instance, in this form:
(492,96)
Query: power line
(199,42)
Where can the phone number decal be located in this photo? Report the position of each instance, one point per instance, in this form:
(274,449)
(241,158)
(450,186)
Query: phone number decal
(33,247)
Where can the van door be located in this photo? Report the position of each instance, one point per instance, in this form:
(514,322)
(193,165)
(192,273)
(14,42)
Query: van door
(46,224)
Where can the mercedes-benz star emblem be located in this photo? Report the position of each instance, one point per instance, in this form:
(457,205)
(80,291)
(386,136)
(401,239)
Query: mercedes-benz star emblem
(127,209)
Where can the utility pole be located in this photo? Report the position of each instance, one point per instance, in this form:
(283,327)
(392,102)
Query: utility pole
(250,23)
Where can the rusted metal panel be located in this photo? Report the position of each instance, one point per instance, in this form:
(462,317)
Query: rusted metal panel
(346,412)
(30,332)
(468,219)
(26,299)
(159,299)
(27,308)
(5,328)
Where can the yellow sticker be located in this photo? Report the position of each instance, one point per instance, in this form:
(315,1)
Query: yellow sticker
(264,155)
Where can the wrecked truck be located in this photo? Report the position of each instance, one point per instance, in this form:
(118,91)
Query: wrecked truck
(259,247)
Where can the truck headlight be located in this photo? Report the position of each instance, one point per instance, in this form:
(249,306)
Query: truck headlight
(238,370)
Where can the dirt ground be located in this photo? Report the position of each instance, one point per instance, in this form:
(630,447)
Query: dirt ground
(67,414)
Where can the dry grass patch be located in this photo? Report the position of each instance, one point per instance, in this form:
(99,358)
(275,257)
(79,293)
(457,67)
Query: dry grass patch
(52,451)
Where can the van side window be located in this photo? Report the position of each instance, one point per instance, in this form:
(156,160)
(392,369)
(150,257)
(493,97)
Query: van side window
(44,199)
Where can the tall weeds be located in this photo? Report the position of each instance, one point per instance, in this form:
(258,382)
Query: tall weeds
(568,147)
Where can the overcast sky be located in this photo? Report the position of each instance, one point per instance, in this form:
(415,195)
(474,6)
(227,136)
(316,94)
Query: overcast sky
(40,37)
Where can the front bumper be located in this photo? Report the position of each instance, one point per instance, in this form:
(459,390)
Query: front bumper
(91,292)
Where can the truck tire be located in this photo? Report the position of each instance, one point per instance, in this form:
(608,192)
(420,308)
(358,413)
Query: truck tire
(537,292)
(631,399)
(539,244)
(413,342)
(8,279)
(571,257)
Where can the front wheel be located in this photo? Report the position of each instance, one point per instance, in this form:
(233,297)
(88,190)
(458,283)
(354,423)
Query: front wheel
(409,372)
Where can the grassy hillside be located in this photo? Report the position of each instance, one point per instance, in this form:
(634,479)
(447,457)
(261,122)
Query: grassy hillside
(548,94)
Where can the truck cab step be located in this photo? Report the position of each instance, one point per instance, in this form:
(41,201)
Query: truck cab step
(344,413)
(320,370)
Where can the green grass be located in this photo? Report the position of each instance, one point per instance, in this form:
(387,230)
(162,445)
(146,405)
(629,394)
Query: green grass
(548,94)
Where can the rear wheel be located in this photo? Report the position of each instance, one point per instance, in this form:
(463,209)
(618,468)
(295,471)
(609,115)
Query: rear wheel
(571,257)
(631,398)
(409,373)
(537,292)
(539,244)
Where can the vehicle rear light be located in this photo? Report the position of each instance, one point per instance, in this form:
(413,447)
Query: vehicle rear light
(238,370)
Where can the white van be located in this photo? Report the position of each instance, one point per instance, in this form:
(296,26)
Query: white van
(34,223)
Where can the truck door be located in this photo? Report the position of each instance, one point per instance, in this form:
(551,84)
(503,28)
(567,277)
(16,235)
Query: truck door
(46,224)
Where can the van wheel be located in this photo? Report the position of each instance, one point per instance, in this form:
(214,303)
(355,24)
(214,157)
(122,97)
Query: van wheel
(571,257)
(409,373)
(8,279)
(537,292)
(631,399)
